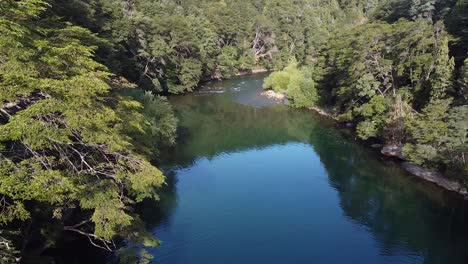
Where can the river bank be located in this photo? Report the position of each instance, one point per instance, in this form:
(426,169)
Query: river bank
(217,76)
(254,71)
(393,151)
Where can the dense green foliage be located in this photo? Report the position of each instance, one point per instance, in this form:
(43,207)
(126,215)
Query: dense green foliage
(297,84)
(70,144)
(374,74)
(400,77)
(439,134)
(170,46)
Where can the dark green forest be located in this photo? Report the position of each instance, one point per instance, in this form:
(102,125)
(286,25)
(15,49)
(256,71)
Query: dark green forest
(83,117)
(398,76)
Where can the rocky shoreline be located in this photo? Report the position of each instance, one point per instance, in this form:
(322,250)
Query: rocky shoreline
(395,151)
(217,76)
(435,177)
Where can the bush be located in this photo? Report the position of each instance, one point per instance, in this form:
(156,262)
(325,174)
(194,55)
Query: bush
(298,84)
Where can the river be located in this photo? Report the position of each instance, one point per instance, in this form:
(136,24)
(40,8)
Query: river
(254,181)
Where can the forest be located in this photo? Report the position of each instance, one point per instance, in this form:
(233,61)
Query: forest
(399,78)
(83,117)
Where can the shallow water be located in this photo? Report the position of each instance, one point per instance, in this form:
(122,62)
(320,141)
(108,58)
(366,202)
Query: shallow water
(252,181)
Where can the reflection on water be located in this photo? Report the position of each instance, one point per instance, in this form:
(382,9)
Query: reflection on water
(255,182)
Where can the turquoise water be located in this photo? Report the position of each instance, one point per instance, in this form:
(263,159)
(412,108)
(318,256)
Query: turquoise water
(252,181)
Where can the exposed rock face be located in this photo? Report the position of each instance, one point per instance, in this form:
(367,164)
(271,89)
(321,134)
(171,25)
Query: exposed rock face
(435,177)
(274,95)
(394,151)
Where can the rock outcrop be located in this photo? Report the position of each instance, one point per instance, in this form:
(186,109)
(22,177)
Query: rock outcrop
(395,150)
(436,178)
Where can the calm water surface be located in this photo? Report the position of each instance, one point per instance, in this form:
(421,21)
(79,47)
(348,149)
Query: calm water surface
(252,181)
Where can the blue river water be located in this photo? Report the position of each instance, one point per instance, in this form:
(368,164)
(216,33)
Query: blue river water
(253,181)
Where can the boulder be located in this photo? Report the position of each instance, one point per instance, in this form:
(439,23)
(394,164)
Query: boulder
(394,150)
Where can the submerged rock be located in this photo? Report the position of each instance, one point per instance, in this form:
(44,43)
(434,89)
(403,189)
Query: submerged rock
(435,177)
(395,150)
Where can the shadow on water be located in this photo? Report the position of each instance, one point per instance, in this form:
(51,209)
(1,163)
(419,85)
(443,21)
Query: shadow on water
(402,215)
(395,207)
(154,212)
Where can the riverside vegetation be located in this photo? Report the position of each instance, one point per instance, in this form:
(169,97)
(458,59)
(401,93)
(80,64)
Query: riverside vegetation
(400,77)
(75,131)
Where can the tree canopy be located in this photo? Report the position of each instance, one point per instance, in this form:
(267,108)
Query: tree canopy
(399,76)
(66,146)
